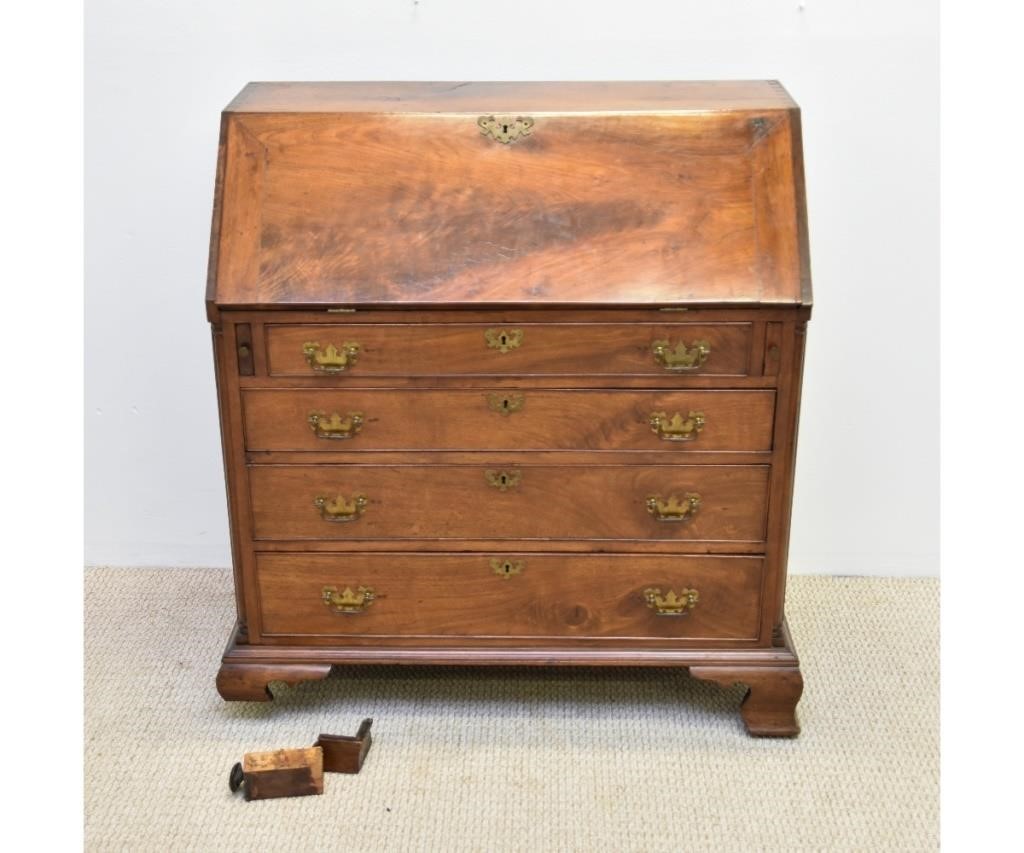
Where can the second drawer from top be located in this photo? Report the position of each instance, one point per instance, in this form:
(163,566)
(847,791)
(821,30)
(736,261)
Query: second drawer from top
(505,419)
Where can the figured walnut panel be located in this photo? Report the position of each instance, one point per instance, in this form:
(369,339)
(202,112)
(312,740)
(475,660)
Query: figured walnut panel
(361,209)
(508,419)
(551,595)
(548,501)
(564,349)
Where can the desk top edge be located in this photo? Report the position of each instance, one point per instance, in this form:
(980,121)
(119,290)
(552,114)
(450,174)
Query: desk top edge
(501,96)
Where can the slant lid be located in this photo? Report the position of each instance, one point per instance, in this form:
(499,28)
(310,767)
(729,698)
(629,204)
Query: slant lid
(509,194)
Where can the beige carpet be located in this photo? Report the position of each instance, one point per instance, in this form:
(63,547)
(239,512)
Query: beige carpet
(526,760)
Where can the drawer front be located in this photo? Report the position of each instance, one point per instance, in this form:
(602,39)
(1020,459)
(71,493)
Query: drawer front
(510,595)
(502,501)
(498,419)
(519,349)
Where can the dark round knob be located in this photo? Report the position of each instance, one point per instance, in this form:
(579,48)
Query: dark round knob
(236,777)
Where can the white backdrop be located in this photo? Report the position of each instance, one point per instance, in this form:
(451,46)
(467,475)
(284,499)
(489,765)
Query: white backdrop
(865,73)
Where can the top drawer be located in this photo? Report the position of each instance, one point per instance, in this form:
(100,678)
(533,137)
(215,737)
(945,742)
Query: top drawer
(518,349)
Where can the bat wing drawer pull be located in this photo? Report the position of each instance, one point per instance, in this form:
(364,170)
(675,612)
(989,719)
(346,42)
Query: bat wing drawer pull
(335,426)
(348,600)
(671,603)
(681,356)
(674,509)
(340,509)
(676,427)
(330,359)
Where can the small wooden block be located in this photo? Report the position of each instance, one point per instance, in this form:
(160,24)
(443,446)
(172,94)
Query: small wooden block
(281,773)
(344,754)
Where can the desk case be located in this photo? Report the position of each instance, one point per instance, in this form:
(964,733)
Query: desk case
(509,373)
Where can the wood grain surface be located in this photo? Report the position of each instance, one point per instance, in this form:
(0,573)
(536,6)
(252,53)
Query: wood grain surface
(550,501)
(428,349)
(552,595)
(502,419)
(346,753)
(769,708)
(610,209)
(283,773)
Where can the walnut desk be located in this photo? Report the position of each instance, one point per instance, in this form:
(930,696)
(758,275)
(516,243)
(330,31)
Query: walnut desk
(509,373)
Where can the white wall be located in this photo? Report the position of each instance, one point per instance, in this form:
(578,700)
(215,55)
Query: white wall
(864,71)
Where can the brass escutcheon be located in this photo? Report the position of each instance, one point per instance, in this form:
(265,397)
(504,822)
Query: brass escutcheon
(504,340)
(505,130)
(335,427)
(671,603)
(681,356)
(348,601)
(503,480)
(506,568)
(674,509)
(505,404)
(676,428)
(330,359)
(340,510)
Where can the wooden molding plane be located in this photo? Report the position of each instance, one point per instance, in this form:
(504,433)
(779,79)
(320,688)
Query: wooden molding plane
(281,773)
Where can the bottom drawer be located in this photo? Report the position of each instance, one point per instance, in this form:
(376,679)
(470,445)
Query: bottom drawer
(509,596)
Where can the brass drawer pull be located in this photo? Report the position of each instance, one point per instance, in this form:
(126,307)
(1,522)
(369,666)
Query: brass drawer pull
(674,509)
(676,428)
(503,480)
(340,510)
(336,426)
(504,340)
(348,601)
(505,129)
(330,359)
(671,603)
(506,568)
(681,356)
(505,404)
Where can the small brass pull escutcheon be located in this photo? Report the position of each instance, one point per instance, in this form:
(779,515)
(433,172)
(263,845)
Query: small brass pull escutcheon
(336,427)
(674,509)
(505,130)
(676,428)
(330,359)
(348,601)
(340,510)
(681,356)
(503,480)
(671,603)
(506,568)
(505,404)
(504,340)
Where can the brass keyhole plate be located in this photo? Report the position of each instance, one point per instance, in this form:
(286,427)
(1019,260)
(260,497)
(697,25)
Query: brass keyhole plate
(503,480)
(505,404)
(505,569)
